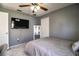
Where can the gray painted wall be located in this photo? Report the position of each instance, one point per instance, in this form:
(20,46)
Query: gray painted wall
(24,35)
(64,23)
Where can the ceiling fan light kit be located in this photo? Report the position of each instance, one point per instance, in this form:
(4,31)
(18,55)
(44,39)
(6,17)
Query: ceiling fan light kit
(35,7)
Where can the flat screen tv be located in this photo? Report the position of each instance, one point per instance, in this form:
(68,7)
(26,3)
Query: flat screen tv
(19,23)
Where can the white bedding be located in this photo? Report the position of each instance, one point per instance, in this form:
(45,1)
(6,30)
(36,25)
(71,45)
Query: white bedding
(49,47)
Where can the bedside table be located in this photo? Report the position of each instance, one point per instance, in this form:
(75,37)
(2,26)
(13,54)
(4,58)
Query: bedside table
(77,52)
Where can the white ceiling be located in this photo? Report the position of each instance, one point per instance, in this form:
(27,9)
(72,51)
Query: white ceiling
(51,7)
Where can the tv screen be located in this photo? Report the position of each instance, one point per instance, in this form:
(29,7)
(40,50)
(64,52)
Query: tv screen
(19,23)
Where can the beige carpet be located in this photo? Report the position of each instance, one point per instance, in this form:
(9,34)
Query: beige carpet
(16,51)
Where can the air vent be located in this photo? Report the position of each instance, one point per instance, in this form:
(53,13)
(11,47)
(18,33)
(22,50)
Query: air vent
(19,10)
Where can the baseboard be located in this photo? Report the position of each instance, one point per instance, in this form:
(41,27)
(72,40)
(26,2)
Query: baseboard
(15,45)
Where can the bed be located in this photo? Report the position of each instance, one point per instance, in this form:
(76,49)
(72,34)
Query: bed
(49,47)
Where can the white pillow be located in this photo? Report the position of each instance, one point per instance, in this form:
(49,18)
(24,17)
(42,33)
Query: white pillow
(75,46)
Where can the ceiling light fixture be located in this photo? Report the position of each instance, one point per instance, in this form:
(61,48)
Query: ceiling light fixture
(35,8)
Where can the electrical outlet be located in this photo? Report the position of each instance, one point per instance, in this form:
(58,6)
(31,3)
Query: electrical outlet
(17,39)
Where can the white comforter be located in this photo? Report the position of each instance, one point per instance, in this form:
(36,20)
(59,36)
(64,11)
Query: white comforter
(49,47)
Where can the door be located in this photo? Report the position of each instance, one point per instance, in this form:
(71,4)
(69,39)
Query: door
(44,27)
(4,34)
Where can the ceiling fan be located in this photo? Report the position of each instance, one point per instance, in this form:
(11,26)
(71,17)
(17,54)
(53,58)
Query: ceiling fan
(35,7)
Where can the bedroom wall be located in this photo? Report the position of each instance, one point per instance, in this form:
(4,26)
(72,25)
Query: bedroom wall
(64,23)
(24,35)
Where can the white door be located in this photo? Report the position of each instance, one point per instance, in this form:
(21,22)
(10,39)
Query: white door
(4,34)
(44,27)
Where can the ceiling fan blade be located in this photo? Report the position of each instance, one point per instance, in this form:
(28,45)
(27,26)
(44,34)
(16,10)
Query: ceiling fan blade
(24,5)
(43,8)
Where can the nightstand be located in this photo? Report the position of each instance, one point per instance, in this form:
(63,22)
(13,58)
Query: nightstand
(77,52)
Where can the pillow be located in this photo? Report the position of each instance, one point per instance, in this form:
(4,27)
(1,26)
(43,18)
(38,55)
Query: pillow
(75,46)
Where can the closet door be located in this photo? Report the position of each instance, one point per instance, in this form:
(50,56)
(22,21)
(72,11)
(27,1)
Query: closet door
(44,27)
(4,33)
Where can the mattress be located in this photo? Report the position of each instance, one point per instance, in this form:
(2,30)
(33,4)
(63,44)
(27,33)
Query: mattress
(49,47)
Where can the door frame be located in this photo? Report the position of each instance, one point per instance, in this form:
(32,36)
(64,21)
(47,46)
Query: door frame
(7,28)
